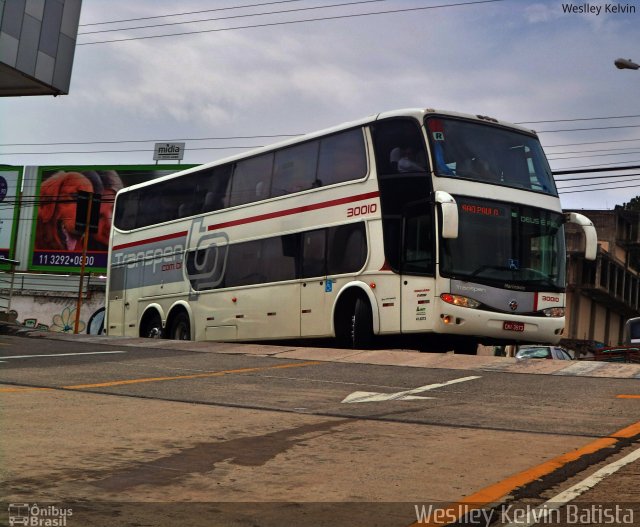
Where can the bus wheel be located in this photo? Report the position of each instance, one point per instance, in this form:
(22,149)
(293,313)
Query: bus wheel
(180,327)
(152,327)
(361,325)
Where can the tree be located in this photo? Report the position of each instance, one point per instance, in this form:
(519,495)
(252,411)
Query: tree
(634,204)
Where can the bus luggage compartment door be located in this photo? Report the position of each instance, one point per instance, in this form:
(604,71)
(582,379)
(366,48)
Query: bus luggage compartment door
(316,301)
(417,304)
(116,301)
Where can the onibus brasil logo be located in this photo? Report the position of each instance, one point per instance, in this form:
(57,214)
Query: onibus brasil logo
(38,515)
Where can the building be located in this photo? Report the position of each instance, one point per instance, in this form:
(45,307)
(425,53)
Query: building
(602,294)
(37,46)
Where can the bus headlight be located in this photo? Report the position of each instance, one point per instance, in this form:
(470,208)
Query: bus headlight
(459,300)
(553,312)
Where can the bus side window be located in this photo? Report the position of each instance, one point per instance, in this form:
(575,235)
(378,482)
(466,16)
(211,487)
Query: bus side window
(347,251)
(342,158)
(251,180)
(244,264)
(313,253)
(393,138)
(277,266)
(295,169)
(148,209)
(212,191)
(126,215)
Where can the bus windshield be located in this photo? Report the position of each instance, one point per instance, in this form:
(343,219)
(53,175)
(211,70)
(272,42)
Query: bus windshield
(489,154)
(506,245)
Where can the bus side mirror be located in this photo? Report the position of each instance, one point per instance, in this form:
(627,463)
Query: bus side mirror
(449,209)
(590,235)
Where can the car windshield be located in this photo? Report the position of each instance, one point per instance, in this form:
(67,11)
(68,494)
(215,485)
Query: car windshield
(541,352)
(489,154)
(506,245)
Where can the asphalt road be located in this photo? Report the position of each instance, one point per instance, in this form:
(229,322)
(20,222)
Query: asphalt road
(137,432)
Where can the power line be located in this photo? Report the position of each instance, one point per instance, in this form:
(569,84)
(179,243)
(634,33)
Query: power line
(248,147)
(592,155)
(290,22)
(593,143)
(589,168)
(633,177)
(579,119)
(584,170)
(588,151)
(612,176)
(588,129)
(274,136)
(188,13)
(597,189)
(248,15)
(164,140)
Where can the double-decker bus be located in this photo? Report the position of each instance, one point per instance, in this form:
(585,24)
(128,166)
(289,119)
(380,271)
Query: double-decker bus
(413,222)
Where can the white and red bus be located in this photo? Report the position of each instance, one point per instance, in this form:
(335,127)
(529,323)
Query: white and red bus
(417,222)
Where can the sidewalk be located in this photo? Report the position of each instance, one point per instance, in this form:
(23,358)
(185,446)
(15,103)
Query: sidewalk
(392,357)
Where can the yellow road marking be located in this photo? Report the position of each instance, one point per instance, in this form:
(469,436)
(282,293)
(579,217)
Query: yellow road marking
(167,378)
(22,389)
(192,376)
(627,396)
(492,494)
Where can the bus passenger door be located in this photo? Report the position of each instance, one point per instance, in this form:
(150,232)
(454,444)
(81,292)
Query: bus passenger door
(418,269)
(317,292)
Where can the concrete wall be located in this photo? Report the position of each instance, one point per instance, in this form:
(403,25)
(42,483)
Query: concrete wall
(49,302)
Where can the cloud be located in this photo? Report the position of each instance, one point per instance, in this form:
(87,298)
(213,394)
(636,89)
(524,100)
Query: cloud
(516,61)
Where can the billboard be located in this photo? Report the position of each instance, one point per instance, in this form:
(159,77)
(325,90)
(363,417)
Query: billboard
(10,184)
(56,244)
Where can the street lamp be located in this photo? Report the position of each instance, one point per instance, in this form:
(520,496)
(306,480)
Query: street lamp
(626,64)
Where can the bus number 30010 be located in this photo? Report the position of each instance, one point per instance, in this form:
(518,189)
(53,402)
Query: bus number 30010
(361,210)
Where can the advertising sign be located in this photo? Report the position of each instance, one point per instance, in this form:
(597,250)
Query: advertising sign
(166,151)
(10,184)
(56,242)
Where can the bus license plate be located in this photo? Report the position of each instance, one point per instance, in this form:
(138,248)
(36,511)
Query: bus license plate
(513,326)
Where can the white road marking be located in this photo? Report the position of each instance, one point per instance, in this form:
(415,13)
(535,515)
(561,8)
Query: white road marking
(54,355)
(407,395)
(540,513)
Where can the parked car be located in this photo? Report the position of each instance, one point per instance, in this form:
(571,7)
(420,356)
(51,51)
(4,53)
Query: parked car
(542,352)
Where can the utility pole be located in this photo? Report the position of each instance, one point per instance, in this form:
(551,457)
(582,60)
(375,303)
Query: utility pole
(89,222)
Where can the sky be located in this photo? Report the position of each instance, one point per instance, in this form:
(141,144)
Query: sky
(223,86)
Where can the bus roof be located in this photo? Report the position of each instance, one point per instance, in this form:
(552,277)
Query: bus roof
(417,113)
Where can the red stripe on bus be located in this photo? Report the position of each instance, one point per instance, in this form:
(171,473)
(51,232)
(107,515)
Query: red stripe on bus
(296,210)
(180,234)
(259,217)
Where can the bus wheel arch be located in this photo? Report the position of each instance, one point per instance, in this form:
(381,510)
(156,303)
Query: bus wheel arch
(151,322)
(179,324)
(355,316)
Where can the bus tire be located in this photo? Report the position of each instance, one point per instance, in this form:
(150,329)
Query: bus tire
(361,325)
(180,327)
(151,327)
